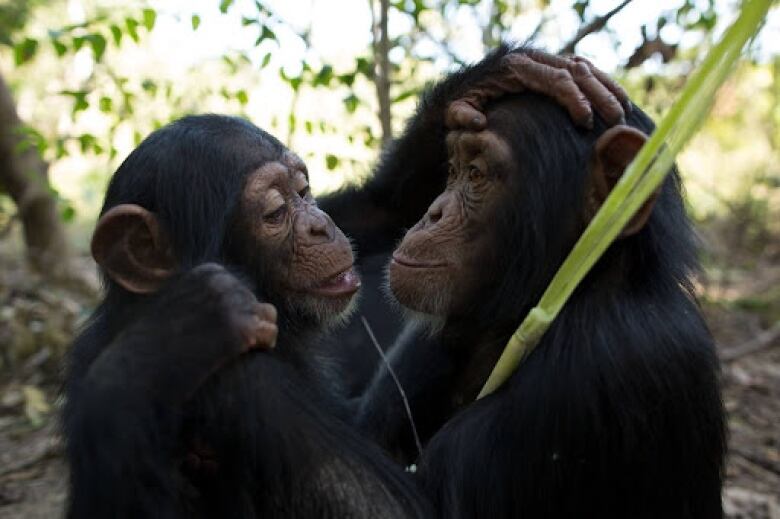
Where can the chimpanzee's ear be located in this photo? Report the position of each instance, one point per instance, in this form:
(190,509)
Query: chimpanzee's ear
(132,248)
(613,152)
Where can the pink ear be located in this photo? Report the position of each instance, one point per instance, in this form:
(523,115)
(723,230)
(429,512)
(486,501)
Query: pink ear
(613,152)
(130,246)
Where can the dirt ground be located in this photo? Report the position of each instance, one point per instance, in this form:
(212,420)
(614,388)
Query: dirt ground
(38,320)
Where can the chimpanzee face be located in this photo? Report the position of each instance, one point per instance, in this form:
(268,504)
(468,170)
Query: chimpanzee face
(436,268)
(297,258)
(451,254)
(307,262)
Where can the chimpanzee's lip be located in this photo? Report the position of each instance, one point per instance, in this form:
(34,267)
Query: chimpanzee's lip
(405,261)
(346,282)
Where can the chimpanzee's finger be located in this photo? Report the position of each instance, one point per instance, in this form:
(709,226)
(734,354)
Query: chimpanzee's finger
(555,82)
(601,98)
(463,116)
(608,82)
(263,335)
(266,312)
(545,58)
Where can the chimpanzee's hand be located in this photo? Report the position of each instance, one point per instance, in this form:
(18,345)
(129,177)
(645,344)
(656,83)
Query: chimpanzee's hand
(254,323)
(572,81)
(201,321)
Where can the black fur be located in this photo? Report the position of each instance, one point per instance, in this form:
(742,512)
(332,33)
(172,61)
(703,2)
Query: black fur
(152,377)
(617,413)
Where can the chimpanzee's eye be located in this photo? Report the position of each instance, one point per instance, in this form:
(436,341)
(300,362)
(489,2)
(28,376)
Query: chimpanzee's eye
(275,216)
(475,173)
(303,193)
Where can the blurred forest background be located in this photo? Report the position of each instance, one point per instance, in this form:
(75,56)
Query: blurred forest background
(83,81)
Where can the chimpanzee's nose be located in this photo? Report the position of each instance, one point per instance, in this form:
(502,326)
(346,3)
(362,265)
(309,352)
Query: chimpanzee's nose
(317,225)
(438,208)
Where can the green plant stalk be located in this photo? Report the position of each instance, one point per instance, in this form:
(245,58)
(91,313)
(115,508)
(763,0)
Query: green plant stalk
(642,177)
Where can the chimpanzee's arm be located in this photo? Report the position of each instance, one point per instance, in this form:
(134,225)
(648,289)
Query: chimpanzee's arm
(411,172)
(124,416)
(413,169)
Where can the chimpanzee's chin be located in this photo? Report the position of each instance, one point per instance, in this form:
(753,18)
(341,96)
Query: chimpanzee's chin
(321,312)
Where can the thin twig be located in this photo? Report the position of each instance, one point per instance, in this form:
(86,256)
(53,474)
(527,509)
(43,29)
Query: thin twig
(594,25)
(539,26)
(763,340)
(397,383)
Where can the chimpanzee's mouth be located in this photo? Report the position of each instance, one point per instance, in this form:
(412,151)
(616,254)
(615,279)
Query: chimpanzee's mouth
(346,282)
(405,261)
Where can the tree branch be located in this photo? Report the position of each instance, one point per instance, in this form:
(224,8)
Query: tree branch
(594,25)
(381,47)
(24,176)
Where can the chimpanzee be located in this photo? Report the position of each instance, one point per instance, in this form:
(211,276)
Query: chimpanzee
(413,171)
(617,412)
(168,413)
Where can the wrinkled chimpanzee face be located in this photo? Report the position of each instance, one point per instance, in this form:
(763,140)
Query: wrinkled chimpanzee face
(437,267)
(306,261)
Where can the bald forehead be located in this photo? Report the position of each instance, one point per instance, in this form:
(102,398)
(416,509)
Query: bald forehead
(289,167)
(485,142)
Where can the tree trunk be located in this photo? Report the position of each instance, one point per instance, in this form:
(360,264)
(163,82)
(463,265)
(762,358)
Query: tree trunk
(24,176)
(381,46)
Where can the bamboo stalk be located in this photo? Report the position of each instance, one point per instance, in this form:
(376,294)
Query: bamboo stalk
(642,177)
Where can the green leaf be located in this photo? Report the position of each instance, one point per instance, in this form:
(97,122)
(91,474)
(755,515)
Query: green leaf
(132,28)
(106,104)
(405,95)
(60,150)
(224,5)
(266,60)
(246,21)
(78,42)
(347,79)
(324,76)
(262,9)
(266,33)
(149,86)
(331,161)
(68,213)
(59,47)
(351,102)
(580,7)
(25,51)
(309,126)
(242,97)
(98,44)
(149,18)
(195,20)
(87,142)
(293,81)
(116,33)
(79,99)
(29,138)
(365,67)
